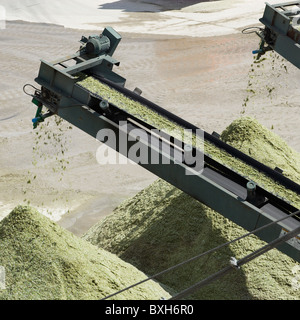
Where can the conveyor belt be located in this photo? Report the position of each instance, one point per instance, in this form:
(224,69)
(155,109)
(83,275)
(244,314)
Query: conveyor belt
(262,168)
(215,171)
(226,181)
(218,186)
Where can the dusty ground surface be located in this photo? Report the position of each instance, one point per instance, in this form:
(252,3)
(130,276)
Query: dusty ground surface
(180,17)
(203,80)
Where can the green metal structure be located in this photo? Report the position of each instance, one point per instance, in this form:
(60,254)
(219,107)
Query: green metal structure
(215,185)
(282,31)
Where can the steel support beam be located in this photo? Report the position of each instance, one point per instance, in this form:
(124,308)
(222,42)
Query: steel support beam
(199,186)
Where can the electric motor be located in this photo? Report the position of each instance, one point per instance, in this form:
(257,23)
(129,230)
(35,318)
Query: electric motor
(97,44)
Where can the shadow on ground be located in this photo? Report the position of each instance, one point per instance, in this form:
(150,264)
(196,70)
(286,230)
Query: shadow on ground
(149,6)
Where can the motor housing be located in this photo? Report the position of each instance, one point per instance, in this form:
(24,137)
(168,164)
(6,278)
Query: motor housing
(97,44)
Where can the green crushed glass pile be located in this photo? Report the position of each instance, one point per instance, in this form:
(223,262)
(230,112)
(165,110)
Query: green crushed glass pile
(43,261)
